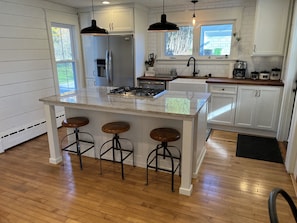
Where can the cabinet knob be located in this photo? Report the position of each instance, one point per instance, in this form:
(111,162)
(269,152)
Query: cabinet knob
(223,89)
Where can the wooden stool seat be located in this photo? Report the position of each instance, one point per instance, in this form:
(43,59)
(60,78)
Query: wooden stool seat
(116,127)
(114,145)
(163,151)
(165,134)
(75,122)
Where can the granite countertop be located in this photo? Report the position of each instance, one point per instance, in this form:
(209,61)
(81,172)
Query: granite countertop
(216,80)
(173,103)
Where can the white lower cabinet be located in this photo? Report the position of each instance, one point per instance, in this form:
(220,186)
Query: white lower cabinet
(222,104)
(258,107)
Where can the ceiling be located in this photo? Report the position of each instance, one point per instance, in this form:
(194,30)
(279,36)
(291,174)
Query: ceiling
(147,3)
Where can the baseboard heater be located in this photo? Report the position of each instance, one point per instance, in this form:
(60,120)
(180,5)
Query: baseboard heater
(22,134)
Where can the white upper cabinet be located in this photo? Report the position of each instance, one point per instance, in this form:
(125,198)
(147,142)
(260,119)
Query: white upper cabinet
(271,27)
(115,20)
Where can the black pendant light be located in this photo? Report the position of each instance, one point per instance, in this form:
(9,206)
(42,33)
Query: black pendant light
(163,26)
(94,30)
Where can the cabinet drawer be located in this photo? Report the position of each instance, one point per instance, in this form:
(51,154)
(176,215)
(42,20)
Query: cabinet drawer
(226,89)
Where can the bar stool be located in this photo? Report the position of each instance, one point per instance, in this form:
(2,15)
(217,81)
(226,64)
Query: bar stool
(164,135)
(75,123)
(116,128)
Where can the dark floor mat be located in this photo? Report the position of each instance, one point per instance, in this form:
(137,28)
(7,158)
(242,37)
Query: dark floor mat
(260,148)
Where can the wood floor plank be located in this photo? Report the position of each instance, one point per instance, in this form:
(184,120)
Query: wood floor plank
(228,188)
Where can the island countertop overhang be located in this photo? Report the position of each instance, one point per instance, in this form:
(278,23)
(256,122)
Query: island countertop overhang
(172,104)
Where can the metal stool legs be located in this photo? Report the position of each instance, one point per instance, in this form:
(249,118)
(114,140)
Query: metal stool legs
(162,150)
(116,146)
(78,141)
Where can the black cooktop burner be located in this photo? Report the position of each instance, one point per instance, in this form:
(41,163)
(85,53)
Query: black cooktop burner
(136,91)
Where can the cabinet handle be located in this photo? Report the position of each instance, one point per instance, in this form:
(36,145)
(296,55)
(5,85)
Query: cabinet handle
(258,93)
(254,48)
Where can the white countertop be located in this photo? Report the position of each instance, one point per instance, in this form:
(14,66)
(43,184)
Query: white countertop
(173,103)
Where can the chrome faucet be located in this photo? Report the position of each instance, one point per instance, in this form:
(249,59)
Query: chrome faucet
(188,64)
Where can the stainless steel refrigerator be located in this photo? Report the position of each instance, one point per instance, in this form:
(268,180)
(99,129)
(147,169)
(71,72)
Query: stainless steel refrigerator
(115,63)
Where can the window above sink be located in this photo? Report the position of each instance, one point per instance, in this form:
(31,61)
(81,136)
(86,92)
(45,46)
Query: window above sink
(215,36)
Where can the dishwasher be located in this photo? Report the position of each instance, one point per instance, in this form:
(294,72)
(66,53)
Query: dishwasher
(154,84)
(188,84)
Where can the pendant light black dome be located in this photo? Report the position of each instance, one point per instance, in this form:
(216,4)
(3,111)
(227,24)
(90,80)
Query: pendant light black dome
(94,30)
(163,26)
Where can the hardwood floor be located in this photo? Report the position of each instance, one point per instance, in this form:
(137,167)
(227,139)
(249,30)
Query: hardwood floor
(228,189)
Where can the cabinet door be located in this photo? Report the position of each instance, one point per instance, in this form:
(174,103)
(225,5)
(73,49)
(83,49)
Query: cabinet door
(258,107)
(271,27)
(267,108)
(116,20)
(123,20)
(245,106)
(221,109)
(104,19)
(222,104)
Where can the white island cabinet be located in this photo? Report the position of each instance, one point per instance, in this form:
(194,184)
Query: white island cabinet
(172,109)
(258,107)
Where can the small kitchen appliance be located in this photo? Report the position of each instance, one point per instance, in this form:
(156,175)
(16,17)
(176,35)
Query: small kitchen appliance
(254,75)
(239,69)
(275,74)
(264,75)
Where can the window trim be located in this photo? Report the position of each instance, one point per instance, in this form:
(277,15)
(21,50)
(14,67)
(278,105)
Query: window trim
(204,16)
(74,54)
(196,42)
(233,50)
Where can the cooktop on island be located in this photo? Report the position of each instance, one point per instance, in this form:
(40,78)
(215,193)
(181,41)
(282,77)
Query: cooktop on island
(137,92)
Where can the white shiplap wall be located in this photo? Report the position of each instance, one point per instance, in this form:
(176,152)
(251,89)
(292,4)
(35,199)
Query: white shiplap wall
(26,72)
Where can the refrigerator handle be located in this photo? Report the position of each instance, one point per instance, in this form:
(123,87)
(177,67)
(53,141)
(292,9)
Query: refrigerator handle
(108,67)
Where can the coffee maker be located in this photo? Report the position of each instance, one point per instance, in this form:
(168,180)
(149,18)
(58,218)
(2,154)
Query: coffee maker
(239,69)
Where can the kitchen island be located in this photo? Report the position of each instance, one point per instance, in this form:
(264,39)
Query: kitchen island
(185,111)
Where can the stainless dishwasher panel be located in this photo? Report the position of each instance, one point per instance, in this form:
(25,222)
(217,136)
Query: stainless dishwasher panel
(152,84)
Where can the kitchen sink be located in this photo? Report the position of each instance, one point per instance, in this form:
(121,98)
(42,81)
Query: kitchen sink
(188,84)
(191,77)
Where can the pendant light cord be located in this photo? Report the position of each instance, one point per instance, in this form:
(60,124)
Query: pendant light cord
(163,6)
(93,9)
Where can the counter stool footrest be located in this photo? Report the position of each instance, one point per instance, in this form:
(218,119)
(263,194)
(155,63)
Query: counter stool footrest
(116,146)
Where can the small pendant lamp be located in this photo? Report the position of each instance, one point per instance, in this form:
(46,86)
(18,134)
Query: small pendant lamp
(94,30)
(194,16)
(163,26)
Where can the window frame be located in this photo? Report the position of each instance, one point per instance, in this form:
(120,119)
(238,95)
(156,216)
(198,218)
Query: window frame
(233,51)
(73,61)
(196,42)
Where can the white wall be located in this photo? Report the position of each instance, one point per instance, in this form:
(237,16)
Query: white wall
(216,68)
(26,72)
